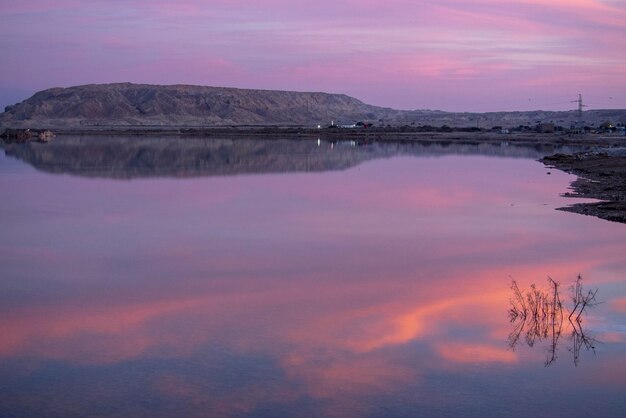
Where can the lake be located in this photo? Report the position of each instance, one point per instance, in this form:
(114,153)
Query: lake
(204,277)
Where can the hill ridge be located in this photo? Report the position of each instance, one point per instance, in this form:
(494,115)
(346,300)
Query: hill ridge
(130,104)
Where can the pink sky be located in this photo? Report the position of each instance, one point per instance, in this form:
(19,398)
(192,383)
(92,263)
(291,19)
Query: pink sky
(481,55)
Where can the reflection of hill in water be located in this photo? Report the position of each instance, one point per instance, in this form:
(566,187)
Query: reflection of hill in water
(134,157)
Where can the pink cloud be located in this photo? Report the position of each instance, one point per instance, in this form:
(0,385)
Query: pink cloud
(404,54)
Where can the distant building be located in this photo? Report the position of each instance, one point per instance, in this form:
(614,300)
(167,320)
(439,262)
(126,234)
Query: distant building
(359,124)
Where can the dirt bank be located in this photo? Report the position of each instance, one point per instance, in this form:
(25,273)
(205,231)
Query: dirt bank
(601,175)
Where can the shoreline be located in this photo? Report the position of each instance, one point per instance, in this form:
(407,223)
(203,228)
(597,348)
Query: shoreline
(361,135)
(600,166)
(600,175)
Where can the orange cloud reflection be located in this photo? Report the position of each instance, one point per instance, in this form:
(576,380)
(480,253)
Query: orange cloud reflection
(475,353)
(619,305)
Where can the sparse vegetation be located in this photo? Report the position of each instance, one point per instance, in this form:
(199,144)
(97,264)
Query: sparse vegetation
(539,315)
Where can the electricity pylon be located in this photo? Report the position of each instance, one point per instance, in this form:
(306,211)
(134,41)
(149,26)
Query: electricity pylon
(580,107)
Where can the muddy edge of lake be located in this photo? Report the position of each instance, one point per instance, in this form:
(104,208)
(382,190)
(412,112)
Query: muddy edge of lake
(601,175)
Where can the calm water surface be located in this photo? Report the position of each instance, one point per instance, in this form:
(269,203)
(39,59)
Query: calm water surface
(225,278)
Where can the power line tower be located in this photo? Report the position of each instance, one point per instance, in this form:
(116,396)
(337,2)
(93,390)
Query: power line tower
(580,108)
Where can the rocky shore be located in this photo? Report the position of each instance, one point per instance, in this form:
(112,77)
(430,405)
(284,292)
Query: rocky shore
(602,176)
(26,135)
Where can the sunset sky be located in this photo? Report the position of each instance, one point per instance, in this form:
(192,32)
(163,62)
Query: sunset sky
(455,55)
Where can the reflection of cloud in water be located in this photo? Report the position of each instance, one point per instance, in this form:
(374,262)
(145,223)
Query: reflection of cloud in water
(619,304)
(476,353)
(316,297)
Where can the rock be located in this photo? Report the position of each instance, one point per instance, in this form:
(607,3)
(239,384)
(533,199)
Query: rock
(45,136)
(17,135)
(26,135)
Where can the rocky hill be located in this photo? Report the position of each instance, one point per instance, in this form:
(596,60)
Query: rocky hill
(140,104)
(126,104)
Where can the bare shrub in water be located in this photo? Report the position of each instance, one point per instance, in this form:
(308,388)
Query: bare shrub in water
(538,315)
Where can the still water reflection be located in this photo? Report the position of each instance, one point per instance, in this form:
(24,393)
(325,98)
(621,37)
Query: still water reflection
(381,289)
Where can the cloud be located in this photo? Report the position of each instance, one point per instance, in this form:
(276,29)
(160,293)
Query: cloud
(344,46)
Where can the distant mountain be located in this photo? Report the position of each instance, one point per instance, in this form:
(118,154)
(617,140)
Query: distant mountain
(126,104)
(140,104)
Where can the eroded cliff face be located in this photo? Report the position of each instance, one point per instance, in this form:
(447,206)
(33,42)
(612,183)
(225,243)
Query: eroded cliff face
(140,104)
